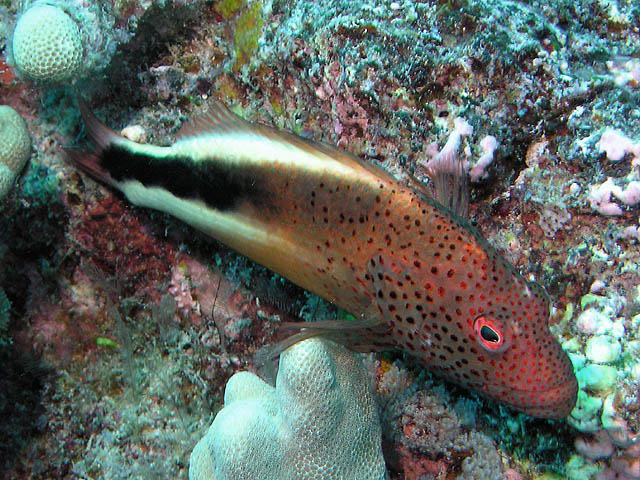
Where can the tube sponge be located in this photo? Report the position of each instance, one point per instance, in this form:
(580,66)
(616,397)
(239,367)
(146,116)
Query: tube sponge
(319,422)
(15,147)
(47,45)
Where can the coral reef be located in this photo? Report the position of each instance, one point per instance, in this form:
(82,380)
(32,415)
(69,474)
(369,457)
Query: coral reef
(5,310)
(432,437)
(140,321)
(432,431)
(608,379)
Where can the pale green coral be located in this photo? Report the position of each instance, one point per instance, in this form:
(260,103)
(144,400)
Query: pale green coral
(603,349)
(15,147)
(604,356)
(596,377)
(47,44)
(579,469)
(319,422)
(585,415)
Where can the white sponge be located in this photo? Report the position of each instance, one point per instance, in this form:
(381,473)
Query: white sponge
(47,45)
(15,147)
(318,423)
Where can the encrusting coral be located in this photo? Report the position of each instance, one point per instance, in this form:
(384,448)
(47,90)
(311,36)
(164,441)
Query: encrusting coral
(319,422)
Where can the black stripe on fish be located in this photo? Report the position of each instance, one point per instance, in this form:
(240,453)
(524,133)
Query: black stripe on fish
(219,186)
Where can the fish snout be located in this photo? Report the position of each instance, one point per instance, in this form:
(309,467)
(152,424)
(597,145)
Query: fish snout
(549,389)
(556,402)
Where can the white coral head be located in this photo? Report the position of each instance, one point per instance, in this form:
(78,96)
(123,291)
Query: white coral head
(319,422)
(616,144)
(47,44)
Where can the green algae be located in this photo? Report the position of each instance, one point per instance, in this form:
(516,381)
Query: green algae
(247,29)
(106,342)
(247,32)
(228,8)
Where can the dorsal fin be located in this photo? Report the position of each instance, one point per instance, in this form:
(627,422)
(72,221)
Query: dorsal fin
(419,186)
(219,120)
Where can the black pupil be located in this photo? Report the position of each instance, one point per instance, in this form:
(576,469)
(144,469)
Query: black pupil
(489,334)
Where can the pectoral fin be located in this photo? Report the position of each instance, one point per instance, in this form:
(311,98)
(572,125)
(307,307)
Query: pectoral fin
(400,300)
(360,335)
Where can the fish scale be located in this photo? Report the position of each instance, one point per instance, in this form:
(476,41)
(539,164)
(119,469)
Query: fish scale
(415,275)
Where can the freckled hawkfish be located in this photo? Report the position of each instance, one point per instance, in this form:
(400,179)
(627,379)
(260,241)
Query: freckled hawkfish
(415,274)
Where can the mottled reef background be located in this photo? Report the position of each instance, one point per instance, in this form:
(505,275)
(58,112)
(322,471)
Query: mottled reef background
(120,326)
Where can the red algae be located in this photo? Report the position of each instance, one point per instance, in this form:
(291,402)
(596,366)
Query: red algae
(116,240)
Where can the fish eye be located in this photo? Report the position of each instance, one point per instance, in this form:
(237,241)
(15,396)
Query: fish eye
(490,335)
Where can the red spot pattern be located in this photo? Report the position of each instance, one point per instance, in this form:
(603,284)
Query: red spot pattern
(431,276)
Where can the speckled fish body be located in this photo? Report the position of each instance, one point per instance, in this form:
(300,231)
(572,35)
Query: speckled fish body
(420,277)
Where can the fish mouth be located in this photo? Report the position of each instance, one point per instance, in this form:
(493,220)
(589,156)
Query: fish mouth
(554,396)
(536,389)
(556,401)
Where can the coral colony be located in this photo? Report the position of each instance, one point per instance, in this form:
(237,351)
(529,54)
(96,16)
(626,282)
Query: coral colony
(319,421)
(133,345)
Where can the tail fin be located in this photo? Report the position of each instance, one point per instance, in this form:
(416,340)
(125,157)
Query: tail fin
(89,163)
(100,137)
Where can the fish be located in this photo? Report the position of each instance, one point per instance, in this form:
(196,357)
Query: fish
(413,273)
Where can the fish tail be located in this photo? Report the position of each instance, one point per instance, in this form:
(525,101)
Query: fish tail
(100,138)
(113,158)
(89,163)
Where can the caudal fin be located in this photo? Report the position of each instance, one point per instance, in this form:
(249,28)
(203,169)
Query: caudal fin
(89,163)
(100,137)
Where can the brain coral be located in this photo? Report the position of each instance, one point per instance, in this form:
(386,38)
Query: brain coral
(15,147)
(47,45)
(319,422)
